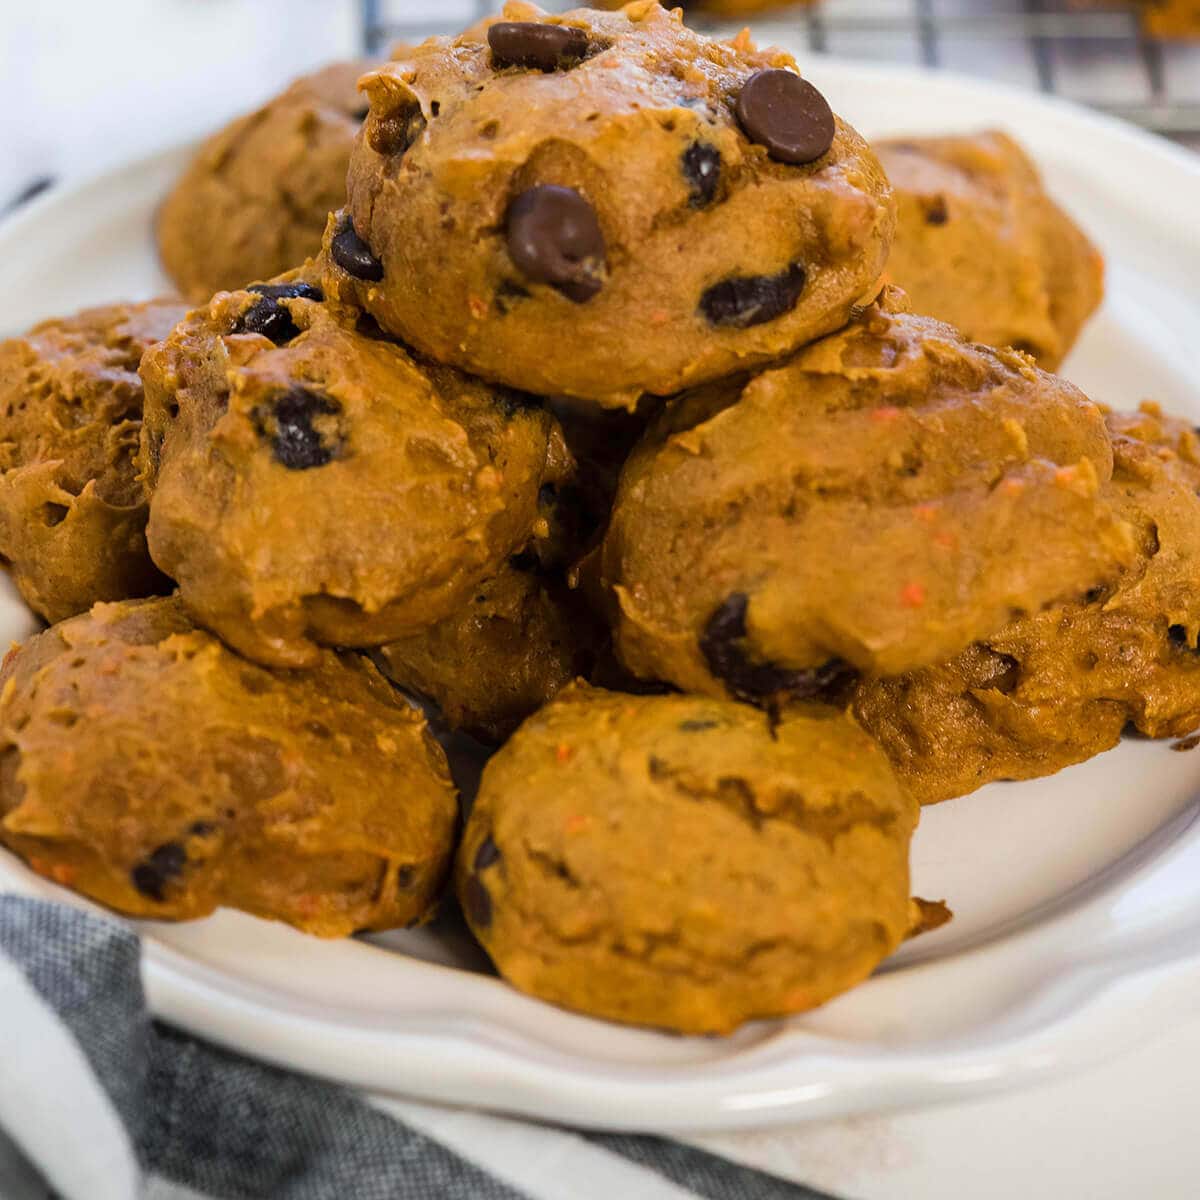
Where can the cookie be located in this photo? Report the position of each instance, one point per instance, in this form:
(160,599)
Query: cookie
(980,245)
(72,514)
(149,768)
(517,641)
(1057,687)
(604,204)
(313,484)
(674,861)
(719,8)
(253,202)
(882,500)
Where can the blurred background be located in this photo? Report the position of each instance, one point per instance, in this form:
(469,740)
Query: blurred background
(85,84)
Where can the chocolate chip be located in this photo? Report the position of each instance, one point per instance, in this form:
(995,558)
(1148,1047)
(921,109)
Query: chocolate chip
(287,291)
(702,168)
(288,424)
(152,875)
(1177,635)
(554,237)
(786,114)
(536,45)
(270,319)
(745,300)
(477,903)
(487,854)
(394,133)
(721,645)
(936,210)
(354,256)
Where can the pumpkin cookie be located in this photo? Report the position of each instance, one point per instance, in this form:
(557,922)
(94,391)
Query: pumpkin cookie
(604,204)
(313,484)
(674,861)
(1058,687)
(72,514)
(882,500)
(980,245)
(151,769)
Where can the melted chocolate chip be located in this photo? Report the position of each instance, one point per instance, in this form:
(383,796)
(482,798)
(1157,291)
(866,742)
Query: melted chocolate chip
(152,875)
(394,133)
(785,114)
(287,291)
(477,903)
(487,854)
(554,237)
(702,169)
(270,319)
(755,683)
(537,45)
(745,300)
(288,423)
(354,256)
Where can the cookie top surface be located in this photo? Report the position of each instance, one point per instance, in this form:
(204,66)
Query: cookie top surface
(881,500)
(630,207)
(313,483)
(151,768)
(71,509)
(674,861)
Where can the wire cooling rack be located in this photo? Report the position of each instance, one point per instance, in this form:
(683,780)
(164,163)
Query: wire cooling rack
(1096,55)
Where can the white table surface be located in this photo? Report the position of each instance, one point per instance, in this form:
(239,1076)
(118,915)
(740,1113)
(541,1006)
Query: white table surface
(85,84)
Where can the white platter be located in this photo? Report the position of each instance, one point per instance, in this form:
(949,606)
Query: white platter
(1077,898)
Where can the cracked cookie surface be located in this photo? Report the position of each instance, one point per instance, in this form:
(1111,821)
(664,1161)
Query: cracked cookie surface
(605,204)
(1060,686)
(981,245)
(880,501)
(149,768)
(72,513)
(672,861)
(313,484)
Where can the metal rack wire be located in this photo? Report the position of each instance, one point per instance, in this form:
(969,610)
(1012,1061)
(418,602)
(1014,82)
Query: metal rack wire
(1096,55)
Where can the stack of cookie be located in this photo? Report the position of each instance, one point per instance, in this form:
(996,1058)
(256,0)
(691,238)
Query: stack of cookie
(592,424)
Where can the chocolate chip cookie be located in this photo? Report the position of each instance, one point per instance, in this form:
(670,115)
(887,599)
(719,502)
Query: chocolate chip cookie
(253,202)
(518,639)
(149,768)
(980,245)
(673,861)
(1058,687)
(72,514)
(888,496)
(315,484)
(604,204)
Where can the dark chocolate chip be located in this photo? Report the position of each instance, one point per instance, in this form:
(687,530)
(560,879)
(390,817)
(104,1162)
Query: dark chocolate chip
(287,291)
(354,256)
(745,300)
(270,319)
(721,645)
(152,875)
(1177,635)
(477,903)
(554,237)
(786,114)
(537,45)
(487,854)
(702,169)
(288,424)
(936,210)
(394,133)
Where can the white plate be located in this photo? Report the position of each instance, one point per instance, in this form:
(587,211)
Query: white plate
(1077,897)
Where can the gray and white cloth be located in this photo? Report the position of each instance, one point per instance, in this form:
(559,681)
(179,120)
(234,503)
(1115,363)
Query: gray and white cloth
(98,1101)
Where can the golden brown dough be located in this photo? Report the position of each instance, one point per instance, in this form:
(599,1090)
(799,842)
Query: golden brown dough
(1059,687)
(149,768)
(606,228)
(72,514)
(673,861)
(980,245)
(312,484)
(881,500)
(253,202)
